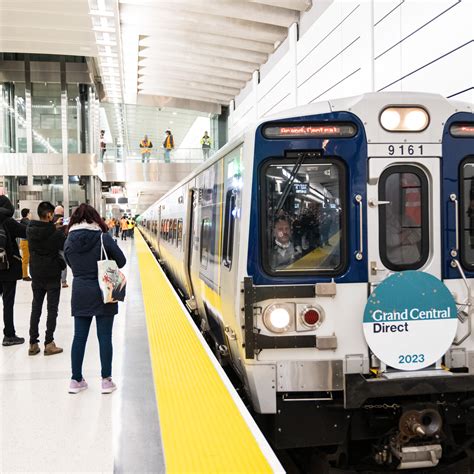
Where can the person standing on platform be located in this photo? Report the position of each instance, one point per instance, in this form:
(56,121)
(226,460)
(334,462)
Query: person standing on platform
(124,227)
(168,145)
(130,228)
(206,143)
(10,267)
(145,149)
(86,230)
(46,241)
(117,228)
(25,252)
(59,214)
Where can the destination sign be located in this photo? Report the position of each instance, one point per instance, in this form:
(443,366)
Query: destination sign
(310,130)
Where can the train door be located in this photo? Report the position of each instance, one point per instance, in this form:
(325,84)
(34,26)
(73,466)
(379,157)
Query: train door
(188,245)
(403,216)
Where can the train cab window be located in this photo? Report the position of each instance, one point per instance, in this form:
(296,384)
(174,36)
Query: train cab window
(304,227)
(403,219)
(467,213)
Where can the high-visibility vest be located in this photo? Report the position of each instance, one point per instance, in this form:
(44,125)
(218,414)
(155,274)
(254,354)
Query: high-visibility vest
(145,146)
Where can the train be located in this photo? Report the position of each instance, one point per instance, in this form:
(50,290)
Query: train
(327,254)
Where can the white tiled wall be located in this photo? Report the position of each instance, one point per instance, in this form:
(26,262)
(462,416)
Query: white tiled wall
(368,45)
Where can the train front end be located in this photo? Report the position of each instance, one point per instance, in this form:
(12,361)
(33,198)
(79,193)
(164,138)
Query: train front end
(356,302)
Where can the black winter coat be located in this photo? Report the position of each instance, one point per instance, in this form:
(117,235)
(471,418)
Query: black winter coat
(82,252)
(45,242)
(13,230)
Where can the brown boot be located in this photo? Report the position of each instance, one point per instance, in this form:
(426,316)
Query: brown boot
(34,349)
(51,349)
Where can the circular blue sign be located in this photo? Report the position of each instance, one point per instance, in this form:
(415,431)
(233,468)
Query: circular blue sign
(410,320)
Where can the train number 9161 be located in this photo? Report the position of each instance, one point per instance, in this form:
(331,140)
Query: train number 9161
(405,150)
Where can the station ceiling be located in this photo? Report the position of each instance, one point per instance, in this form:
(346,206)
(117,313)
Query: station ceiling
(200,50)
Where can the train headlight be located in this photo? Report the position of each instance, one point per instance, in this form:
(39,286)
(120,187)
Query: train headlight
(390,119)
(279,318)
(404,119)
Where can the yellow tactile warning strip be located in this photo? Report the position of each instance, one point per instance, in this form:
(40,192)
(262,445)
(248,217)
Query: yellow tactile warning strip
(205,427)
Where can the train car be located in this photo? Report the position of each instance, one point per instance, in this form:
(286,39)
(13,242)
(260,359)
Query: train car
(328,254)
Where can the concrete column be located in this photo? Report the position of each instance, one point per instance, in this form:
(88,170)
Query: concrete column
(29,122)
(255,82)
(64,132)
(293,55)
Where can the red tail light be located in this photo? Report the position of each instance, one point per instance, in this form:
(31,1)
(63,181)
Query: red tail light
(311,317)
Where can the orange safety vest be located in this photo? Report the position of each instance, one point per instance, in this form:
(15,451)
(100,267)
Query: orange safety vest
(168,143)
(145,146)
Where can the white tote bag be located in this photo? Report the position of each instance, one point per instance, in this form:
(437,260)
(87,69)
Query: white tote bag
(112,281)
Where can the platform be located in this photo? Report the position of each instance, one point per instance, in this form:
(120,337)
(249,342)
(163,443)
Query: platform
(196,423)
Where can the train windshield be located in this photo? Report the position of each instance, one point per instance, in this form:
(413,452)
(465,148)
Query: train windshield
(467,213)
(303,216)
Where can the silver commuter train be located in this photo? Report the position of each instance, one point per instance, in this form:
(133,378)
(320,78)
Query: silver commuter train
(278,243)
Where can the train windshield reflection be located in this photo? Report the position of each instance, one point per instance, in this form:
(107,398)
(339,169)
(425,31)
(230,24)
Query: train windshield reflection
(304,216)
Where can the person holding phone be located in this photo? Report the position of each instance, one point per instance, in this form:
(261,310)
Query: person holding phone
(46,241)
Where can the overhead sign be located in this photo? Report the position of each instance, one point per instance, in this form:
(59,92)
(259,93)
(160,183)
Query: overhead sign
(301,188)
(410,320)
(310,130)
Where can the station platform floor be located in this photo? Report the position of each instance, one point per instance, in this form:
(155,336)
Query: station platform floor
(43,428)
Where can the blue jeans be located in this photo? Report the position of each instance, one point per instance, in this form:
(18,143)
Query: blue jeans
(104,334)
(167,155)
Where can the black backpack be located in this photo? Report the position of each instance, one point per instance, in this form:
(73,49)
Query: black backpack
(4,263)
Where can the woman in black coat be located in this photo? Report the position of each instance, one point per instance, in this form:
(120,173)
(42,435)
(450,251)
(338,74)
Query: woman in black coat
(10,229)
(82,251)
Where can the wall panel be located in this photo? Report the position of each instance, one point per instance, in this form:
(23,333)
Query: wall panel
(423,45)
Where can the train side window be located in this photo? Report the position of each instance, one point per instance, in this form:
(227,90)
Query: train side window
(175,231)
(467,212)
(404,220)
(205,241)
(179,240)
(229,225)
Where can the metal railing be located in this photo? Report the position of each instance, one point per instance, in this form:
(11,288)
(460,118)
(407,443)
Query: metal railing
(178,155)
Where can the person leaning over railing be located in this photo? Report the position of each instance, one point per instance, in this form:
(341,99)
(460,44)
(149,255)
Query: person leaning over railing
(168,145)
(145,149)
(206,143)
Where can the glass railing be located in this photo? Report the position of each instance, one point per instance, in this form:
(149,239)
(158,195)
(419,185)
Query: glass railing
(178,155)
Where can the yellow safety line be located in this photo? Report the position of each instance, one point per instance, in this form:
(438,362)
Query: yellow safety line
(201,426)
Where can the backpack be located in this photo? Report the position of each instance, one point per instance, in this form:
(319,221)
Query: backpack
(4,263)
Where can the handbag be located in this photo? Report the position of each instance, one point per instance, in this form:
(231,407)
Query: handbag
(112,281)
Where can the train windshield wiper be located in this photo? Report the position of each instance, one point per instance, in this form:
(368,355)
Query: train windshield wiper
(289,183)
